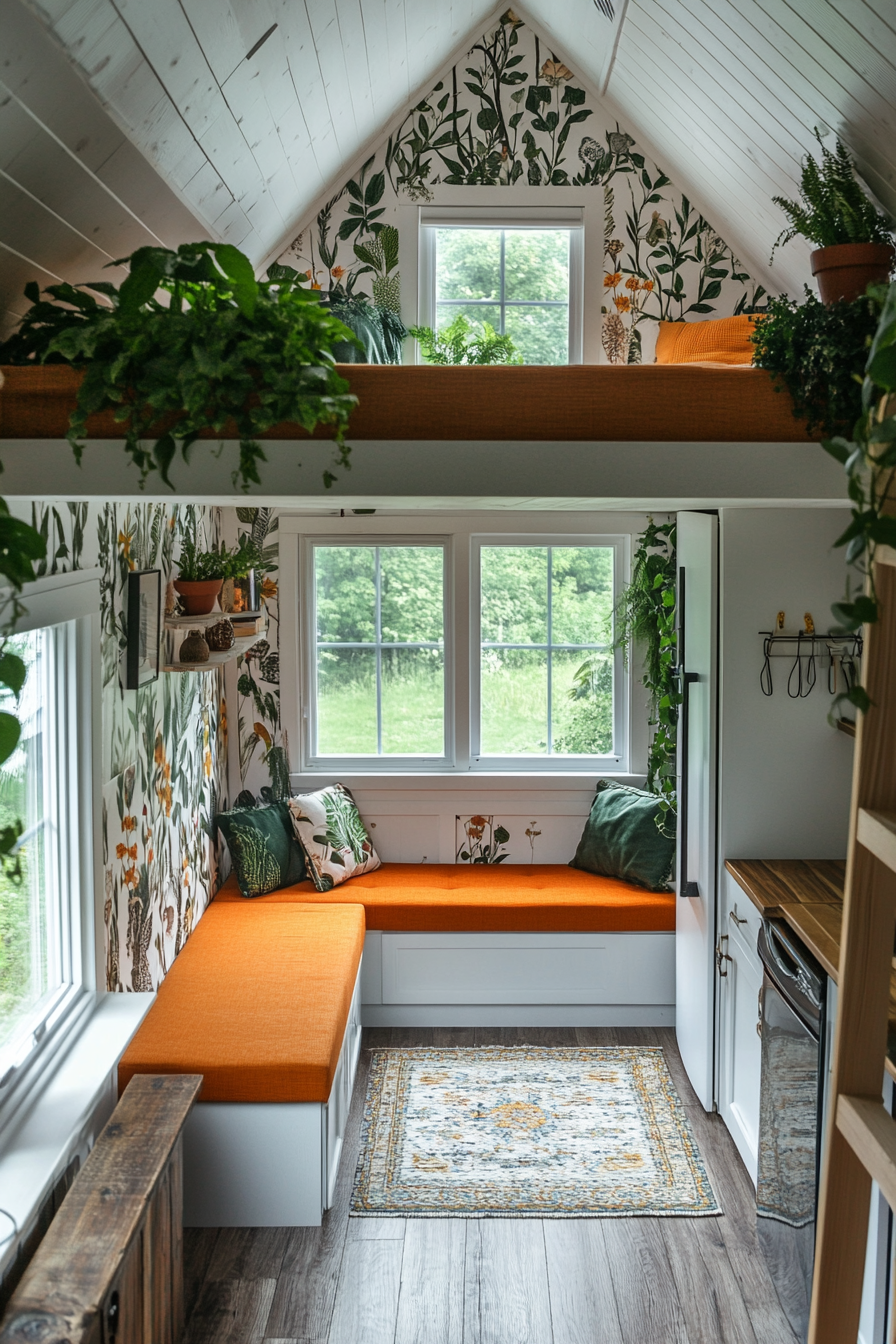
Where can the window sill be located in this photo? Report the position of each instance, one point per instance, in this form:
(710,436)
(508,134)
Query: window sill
(64,1105)
(463,780)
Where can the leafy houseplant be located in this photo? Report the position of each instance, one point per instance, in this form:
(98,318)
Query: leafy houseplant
(869,459)
(461,343)
(813,349)
(378,331)
(190,341)
(200,576)
(645,615)
(853,239)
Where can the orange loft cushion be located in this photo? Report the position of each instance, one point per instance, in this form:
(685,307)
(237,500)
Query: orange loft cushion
(497,898)
(725,340)
(258,1006)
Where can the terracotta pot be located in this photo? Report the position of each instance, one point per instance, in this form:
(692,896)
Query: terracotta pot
(198,595)
(846,271)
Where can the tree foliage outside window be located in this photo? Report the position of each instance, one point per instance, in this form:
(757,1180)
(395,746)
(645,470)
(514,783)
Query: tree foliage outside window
(517,280)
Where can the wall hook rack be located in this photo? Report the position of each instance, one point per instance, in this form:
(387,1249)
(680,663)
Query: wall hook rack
(840,653)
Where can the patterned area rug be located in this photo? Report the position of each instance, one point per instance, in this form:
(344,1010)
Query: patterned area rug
(516,1132)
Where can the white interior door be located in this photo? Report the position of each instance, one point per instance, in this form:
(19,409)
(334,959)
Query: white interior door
(695,924)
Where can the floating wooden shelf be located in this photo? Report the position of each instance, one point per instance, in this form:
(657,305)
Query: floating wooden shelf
(242,645)
(649,403)
(209,618)
(847,726)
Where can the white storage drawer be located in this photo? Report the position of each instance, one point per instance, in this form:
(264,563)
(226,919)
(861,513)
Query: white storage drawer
(528,968)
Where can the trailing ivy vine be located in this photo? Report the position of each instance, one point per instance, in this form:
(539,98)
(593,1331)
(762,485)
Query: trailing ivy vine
(645,616)
(869,459)
(190,341)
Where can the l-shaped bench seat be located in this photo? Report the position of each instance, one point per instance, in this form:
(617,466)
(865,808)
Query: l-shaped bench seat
(266,1006)
(504,945)
(267,998)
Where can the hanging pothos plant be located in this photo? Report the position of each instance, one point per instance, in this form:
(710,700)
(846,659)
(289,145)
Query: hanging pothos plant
(190,341)
(645,617)
(869,458)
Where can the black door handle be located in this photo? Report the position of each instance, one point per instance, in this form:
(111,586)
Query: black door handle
(685,887)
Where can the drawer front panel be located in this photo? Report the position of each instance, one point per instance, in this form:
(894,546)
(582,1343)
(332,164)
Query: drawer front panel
(623,968)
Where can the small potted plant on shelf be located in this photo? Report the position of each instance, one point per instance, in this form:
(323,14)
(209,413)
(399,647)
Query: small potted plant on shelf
(853,238)
(200,576)
(243,567)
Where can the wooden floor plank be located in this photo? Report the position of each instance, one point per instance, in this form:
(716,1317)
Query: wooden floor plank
(665,1036)
(708,1291)
(643,1284)
(232,1311)
(583,1306)
(248,1253)
(199,1245)
(453,1038)
(366,1308)
(405,1037)
(375,1229)
(431,1301)
(506,1294)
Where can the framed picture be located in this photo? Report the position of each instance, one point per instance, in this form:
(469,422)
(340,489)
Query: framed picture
(144,627)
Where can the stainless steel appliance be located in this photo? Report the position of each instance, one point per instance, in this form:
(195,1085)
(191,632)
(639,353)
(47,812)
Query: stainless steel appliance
(792,1080)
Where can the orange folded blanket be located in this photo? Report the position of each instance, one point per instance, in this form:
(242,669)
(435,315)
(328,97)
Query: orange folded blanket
(494,898)
(258,1007)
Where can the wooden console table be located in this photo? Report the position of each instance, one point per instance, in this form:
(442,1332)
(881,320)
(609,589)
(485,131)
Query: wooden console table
(110,1268)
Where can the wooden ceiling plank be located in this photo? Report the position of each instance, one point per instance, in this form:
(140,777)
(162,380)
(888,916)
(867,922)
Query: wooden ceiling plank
(307,79)
(209,192)
(44,169)
(218,33)
(808,57)
(357,69)
(131,178)
(680,72)
(397,43)
(858,56)
(324,24)
(164,37)
(680,149)
(51,242)
(870,27)
(722,162)
(383,90)
(736,91)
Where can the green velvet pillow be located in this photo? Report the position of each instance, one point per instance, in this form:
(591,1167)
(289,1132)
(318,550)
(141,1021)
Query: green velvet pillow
(263,848)
(621,838)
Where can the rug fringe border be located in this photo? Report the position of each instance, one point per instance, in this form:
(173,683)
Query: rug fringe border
(441,1213)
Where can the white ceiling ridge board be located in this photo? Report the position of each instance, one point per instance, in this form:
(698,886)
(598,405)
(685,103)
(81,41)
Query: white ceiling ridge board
(349,170)
(81,164)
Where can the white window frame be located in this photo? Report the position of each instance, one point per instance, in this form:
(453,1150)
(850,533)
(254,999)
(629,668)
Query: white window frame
(71,601)
(313,758)
(508,205)
(463,534)
(508,217)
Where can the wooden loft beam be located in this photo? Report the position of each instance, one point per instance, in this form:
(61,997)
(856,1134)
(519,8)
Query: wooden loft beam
(649,403)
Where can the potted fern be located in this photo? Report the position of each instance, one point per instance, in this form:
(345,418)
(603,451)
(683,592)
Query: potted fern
(853,238)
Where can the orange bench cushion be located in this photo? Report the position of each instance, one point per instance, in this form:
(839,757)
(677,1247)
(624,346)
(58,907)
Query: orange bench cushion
(497,898)
(257,1006)
(724,340)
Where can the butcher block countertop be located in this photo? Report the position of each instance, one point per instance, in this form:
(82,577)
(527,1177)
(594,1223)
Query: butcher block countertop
(808,894)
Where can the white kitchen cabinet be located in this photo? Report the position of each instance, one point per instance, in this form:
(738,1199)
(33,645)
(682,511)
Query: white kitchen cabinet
(740,984)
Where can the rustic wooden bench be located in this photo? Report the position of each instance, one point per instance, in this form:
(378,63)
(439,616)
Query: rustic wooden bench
(110,1268)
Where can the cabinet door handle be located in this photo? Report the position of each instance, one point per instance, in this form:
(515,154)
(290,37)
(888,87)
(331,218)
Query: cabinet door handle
(759,1013)
(732,914)
(722,957)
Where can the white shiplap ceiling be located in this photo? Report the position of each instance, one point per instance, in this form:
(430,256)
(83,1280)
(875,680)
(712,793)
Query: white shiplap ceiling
(123,122)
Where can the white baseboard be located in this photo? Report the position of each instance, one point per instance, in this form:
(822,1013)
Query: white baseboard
(517,1015)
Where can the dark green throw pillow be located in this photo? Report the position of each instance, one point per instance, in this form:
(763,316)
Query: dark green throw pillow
(263,848)
(621,838)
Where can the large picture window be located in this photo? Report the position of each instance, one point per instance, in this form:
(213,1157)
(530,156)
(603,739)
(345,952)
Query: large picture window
(451,649)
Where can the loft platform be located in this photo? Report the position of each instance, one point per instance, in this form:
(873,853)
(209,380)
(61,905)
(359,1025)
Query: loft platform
(571,403)
(578,436)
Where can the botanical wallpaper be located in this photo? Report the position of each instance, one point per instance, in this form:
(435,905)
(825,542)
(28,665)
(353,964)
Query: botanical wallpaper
(164,764)
(513,112)
(263,758)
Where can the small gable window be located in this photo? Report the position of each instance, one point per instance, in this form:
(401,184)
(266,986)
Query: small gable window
(520,272)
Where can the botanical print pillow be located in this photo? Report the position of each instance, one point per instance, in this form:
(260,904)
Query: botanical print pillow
(333,836)
(264,851)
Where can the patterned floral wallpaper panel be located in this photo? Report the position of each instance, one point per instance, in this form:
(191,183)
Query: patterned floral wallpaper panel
(164,746)
(513,112)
